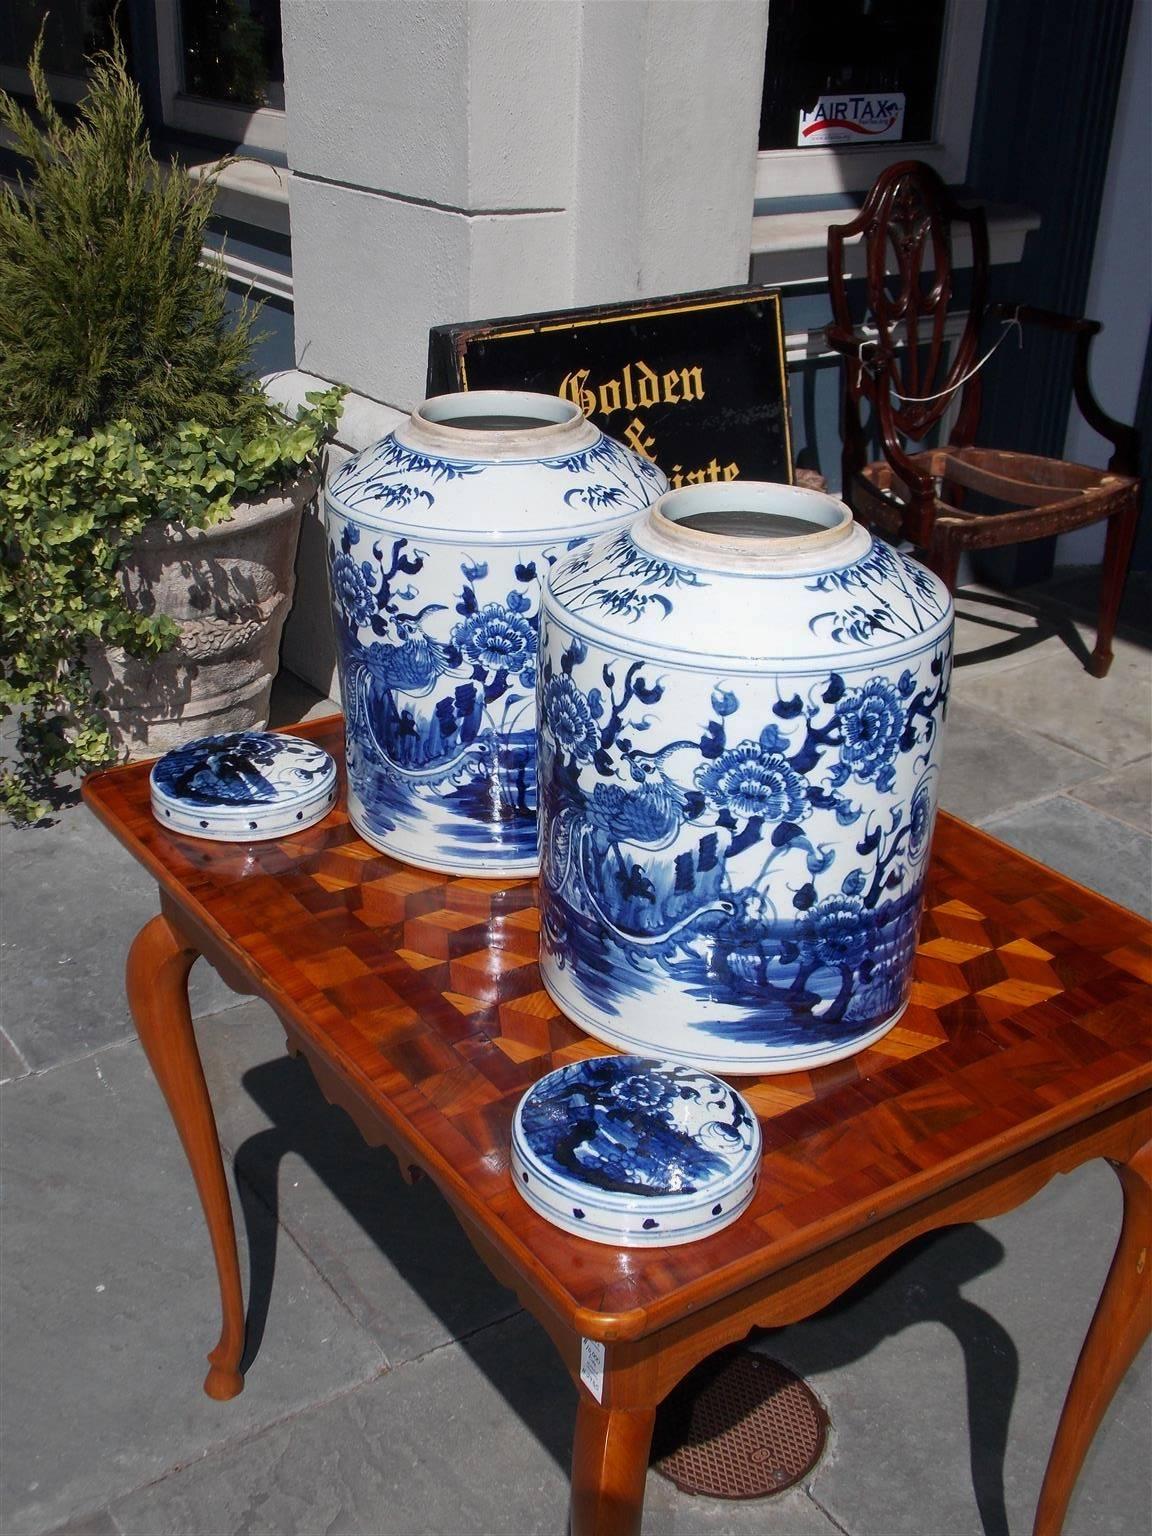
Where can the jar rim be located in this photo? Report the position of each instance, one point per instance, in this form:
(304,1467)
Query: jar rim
(533,412)
(531,424)
(732,537)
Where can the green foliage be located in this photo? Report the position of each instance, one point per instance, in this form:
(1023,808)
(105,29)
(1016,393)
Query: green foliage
(126,398)
(105,310)
(70,504)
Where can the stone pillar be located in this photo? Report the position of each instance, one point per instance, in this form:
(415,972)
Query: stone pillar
(465,159)
(459,159)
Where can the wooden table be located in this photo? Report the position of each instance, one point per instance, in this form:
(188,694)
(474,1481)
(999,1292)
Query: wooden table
(416,1000)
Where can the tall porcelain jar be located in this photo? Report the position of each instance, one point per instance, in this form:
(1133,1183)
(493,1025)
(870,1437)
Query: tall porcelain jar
(741,701)
(438,538)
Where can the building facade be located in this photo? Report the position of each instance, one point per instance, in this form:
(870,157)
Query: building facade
(407,163)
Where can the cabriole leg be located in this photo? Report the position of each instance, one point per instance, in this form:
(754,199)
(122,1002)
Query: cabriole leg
(158,966)
(609,1466)
(1120,1324)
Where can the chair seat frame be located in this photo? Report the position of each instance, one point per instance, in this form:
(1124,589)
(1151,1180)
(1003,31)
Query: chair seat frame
(910,377)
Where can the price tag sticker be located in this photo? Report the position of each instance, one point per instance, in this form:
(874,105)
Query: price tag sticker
(592,1367)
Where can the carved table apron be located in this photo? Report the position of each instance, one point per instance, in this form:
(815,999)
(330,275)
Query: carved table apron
(416,1000)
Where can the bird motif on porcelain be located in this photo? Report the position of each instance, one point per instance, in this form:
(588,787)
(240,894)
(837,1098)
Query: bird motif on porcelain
(439,697)
(635,1127)
(240,768)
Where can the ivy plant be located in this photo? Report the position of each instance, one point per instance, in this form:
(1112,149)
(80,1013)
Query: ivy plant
(70,506)
(127,397)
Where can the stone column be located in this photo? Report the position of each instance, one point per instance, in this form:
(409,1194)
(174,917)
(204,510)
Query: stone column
(460,159)
(465,159)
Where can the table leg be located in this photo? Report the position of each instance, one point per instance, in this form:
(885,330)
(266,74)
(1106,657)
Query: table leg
(1120,1324)
(158,966)
(609,1465)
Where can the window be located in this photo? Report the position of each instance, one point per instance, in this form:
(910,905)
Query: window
(852,85)
(221,62)
(72,30)
(233,52)
(222,69)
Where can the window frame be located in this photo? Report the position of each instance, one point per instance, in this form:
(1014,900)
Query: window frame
(839,168)
(262,128)
(67,88)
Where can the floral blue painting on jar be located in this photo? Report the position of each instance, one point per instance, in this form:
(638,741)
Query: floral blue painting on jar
(740,739)
(439,537)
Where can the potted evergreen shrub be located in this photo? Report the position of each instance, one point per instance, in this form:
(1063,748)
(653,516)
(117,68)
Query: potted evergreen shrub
(150,493)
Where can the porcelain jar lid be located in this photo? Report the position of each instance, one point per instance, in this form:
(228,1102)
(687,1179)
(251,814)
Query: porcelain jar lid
(243,787)
(635,1152)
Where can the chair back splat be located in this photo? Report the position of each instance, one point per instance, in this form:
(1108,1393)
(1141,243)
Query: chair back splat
(916,363)
(907,223)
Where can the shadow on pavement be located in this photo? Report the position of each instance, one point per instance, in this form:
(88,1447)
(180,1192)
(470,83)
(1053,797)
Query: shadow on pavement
(923,1283)
(1014,628)
(417,1233)
(411,1225)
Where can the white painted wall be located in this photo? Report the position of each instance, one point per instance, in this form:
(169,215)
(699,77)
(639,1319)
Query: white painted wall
(1120,287)
(668,115)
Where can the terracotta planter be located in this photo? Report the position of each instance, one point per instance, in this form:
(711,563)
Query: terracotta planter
(229,588)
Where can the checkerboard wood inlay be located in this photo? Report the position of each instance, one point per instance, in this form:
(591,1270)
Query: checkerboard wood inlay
(1029,994)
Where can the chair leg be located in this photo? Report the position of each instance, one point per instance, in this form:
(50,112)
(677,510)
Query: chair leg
(944,558)
(1117,553)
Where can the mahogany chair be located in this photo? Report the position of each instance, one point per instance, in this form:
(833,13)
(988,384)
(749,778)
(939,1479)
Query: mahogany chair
(905,367)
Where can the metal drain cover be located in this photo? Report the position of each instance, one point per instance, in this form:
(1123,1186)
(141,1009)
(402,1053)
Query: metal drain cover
(739,1427)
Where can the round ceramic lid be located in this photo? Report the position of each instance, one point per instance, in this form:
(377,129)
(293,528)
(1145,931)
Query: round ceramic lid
(634,1152)
(243,787)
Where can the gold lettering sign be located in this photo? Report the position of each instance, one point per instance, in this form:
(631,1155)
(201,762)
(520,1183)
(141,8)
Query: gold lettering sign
(694,382)
(639,387)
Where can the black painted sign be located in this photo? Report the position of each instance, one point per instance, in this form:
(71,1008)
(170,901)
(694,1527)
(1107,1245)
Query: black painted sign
(696,382)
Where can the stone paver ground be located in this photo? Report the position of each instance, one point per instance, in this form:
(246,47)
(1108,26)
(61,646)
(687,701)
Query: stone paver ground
(394,1387)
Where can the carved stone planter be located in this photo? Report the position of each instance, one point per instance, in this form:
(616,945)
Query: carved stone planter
(229,588)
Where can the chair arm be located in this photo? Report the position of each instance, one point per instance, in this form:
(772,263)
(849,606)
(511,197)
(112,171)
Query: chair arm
(1049,319)
(847,343)
(1125,440)
(851,346)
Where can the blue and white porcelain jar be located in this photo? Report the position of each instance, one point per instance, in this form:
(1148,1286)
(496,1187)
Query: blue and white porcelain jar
(438,539)
(741,700)
(643,1154)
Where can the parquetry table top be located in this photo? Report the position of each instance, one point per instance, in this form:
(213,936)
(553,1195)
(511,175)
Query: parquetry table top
(1031,1010)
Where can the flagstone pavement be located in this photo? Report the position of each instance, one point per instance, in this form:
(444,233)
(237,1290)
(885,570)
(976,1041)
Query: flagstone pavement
(394,1388)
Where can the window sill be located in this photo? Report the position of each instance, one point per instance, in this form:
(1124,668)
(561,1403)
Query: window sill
(362,421)
(792,247)
(250,191)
